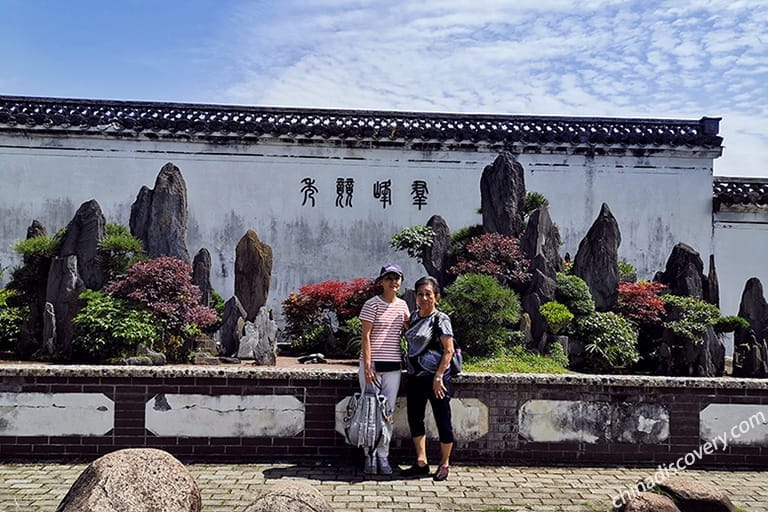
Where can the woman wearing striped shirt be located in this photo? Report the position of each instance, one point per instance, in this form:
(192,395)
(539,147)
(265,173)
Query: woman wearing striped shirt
(384,318)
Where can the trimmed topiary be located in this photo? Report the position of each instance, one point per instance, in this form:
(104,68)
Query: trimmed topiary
(574,294)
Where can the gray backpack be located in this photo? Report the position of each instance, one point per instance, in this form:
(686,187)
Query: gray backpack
(366,420)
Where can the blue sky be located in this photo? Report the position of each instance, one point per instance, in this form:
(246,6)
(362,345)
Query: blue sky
(660,59)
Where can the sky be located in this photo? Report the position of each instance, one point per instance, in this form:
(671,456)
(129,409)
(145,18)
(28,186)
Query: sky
(678,59)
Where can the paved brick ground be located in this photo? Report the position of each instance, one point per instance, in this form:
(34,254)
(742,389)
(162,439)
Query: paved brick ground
(230,487)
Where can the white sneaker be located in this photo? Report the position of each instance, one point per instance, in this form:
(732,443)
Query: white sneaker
(384,467)
(370,465)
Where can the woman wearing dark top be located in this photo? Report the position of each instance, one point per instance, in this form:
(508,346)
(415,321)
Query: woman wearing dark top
(430,347)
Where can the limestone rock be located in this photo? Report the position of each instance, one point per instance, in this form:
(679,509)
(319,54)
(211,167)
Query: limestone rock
(541,236)
(290,496)
(62,291)
(750,344)
(680,356)
(159,216)
(131,480)
(83,235)
(36,229)
(502,195)
(259,342)
(693,496)
(713,283)
(232,324)
(201,275)
(49,329)
(540,291)
(437,256)
(253,272)
(650,502)
(597,260)
(684,273)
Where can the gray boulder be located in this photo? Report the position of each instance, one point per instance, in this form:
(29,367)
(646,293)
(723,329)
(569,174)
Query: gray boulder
(259,341)
(693,496)
(130,480)
(289,496)
(437,256)
(36,229)
(159,216)
(253,272)
(684,274)
(49,329)
(597,260)
(201,275)
(713,283)
(502,195)
(83,235)
(541,236)
(62,292)
(750,344)
(232,326)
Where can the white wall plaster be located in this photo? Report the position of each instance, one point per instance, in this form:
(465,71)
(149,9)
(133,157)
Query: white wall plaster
(741,424)
(55,414)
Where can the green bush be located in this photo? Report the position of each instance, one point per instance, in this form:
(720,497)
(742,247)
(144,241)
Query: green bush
(37,247)
(461,237)
(556,315)
(11,318)
(610,342)
(414,240)
(119,250)
(689,317)
(483,313)
(626,270)
(726,324)
(534,200)
(350,337)
(108,327)
(574,294)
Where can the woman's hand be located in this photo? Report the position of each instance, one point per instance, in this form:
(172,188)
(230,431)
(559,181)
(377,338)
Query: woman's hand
(370,375)
(439,387)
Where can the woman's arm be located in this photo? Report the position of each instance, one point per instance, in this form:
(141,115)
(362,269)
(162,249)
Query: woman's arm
(437,385)
(365,348)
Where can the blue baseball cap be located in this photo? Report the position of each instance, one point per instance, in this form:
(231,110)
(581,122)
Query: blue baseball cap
(390,268)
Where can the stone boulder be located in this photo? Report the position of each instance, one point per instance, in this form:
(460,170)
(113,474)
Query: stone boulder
(83,235)
(201,276)
(693,496)
(750,344)
(541,236)
(597,260)
(232,326)
(253,272)
(713,283)
(289,496)
(684,274)
(650,502)
(159,216)
(63,291)
(502,195)
(437,259)
(36,229)
(259,341)
(130,480)
(679,356)
(49,329)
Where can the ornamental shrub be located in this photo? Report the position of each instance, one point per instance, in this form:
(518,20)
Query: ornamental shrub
(11,318)
(495,255)
(574,294)
(689,317)
(483,313)
(626,271)
(726,324)
(164,286)
(414,240)
(640,303)
(108,327)
(119,250)
(534,200)
(461,237)
(556,315)
(610,342)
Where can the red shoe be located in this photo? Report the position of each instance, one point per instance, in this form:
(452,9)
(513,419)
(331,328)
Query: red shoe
(441,474)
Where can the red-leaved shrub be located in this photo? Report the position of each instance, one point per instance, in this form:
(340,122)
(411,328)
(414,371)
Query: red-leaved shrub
(640,303)
(495,255)
(164,285)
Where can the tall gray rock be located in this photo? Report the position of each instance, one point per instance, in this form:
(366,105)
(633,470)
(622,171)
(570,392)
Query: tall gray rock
(232,326)
(541,236)
(83,235)
(597,260)
(159,216)
(713,283)
(750,344)
(437,256)
(684,273)
(64,288)
(134,479)
(201,275)
(502,195)
(259,340)
(36,229)
(253,272)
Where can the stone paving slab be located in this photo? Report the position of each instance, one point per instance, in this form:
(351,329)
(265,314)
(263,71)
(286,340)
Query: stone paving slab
(39,487)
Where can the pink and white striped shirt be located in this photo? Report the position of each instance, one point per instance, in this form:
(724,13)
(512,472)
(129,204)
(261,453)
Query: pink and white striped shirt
(388,321)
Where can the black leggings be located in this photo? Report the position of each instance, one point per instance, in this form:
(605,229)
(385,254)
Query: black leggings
(418,392)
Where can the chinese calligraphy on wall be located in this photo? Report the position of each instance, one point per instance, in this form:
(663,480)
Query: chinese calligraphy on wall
(345,189)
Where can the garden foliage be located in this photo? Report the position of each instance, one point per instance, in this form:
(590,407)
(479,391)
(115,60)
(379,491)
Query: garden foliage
(534,200)
(556,315)
(610,342)
(574,294)
(641,303)
(495,255)
(483,313)
(414,240)
(689,317)
(11,318)
(119,250)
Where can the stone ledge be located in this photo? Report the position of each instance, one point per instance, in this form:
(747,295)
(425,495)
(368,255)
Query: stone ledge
(350,374)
